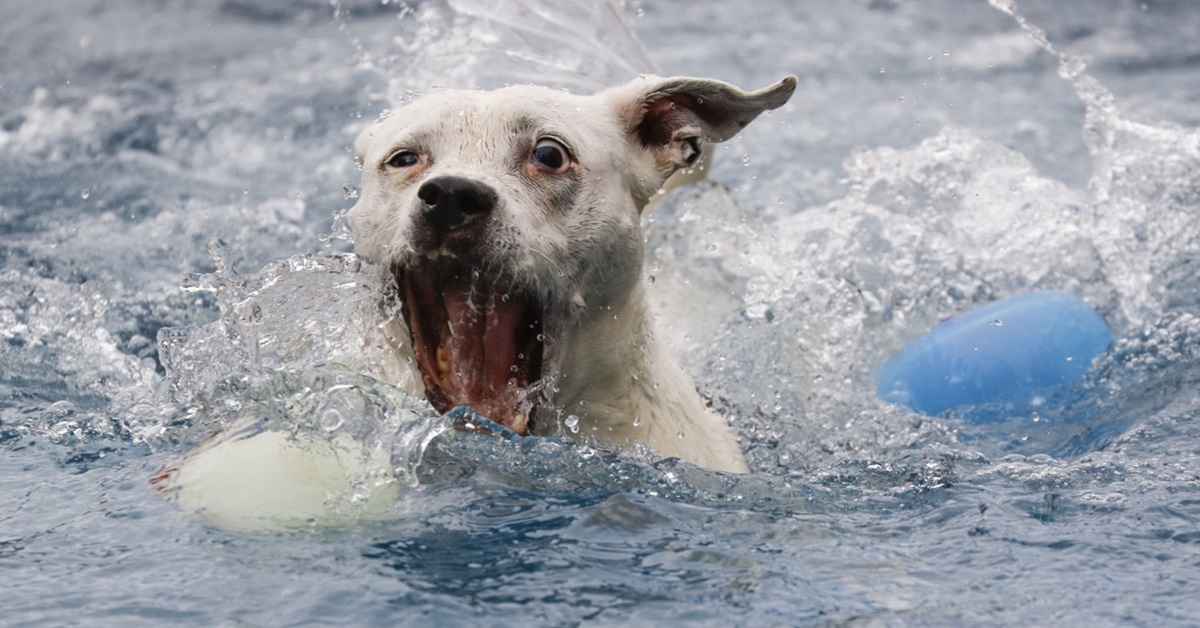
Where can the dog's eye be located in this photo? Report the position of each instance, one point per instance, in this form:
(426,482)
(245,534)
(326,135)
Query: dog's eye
(550,156)
(404,159)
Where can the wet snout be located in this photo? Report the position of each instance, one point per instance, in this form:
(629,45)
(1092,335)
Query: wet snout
(452,208)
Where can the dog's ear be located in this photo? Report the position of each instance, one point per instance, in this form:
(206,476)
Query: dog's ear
(669,117)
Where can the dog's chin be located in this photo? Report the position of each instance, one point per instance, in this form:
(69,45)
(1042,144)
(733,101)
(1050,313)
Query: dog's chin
(478,341)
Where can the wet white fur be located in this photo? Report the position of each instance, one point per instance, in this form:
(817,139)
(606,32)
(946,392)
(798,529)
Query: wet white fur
(583,258)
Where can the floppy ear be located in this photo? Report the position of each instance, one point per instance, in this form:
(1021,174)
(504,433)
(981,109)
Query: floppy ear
(669,117)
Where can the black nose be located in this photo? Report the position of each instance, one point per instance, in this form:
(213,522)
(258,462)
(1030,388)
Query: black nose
(454,202)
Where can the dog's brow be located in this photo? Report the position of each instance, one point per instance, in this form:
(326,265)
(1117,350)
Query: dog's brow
(417,141)
(524,123)
(531,126)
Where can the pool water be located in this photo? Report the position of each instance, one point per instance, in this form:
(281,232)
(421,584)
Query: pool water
(172,259)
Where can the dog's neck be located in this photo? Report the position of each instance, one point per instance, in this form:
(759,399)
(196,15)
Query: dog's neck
(622,385)
(606,358)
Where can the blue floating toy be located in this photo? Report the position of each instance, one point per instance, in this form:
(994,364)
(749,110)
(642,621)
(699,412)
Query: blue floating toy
(1005,354)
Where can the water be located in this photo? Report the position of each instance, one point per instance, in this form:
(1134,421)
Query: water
(936,157)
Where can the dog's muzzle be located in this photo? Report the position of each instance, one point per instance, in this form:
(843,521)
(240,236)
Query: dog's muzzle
(477,337)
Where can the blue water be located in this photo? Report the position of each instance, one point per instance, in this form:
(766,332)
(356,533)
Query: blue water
(935,158)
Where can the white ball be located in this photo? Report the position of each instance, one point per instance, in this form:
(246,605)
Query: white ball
(273,480)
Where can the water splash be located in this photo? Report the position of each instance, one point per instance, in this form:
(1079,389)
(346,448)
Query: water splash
(294,449)
(923,233)
(479,44)
(1102,118)
(297,313)
(1143,186)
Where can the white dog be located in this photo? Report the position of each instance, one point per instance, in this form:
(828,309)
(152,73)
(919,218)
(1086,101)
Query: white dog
(511,221)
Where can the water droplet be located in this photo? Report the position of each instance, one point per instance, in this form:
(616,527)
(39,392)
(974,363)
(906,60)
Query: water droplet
(331,419)
(997,323)
(745,160)
(902,99)
(541,337)
(650,280)
(637,420)
(945,53)
(572,423)
(85,193)
(883,70)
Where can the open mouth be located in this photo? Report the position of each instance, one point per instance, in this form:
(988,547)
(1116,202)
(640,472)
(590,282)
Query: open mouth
(478,344)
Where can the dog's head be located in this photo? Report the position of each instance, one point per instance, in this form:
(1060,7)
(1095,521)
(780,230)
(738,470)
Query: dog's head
(511,218)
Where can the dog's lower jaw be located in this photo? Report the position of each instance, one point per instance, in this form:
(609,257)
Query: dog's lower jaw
(623,387)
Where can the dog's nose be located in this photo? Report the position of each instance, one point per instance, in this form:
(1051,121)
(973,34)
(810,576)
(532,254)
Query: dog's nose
(454,202)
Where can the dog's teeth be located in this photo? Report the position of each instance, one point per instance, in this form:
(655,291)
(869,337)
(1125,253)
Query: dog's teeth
(442,252)
(432,255)
(443,362)
(520,423)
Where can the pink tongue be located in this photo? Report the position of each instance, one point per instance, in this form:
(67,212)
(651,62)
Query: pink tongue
(465,317)
(481,344)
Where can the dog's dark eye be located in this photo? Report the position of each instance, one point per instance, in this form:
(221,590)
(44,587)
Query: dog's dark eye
(550,156)
(404,159)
